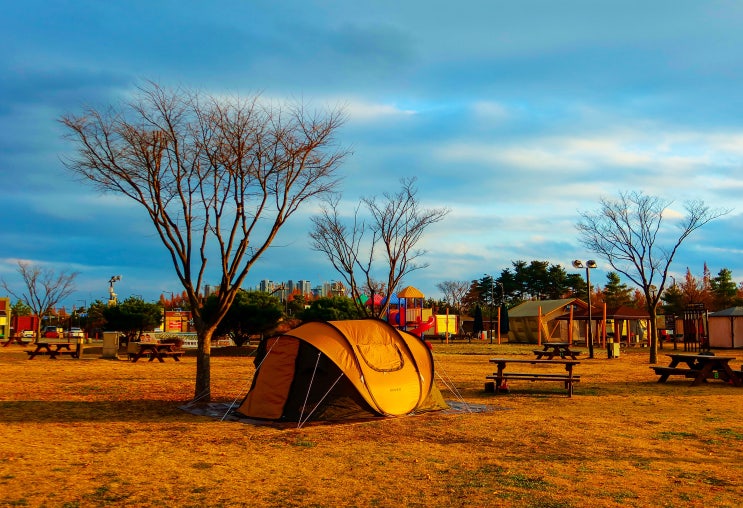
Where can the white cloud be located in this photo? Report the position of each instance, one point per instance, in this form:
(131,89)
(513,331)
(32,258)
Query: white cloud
(367,111)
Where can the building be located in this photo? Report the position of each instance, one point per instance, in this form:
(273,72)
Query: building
(4,318)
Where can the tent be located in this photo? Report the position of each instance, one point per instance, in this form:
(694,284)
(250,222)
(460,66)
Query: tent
(726,328)
(622,323)
(339,370)
(536,320)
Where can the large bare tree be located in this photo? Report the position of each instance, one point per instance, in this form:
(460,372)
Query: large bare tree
(43,288)
(629,233)
(390,230)
(217,176)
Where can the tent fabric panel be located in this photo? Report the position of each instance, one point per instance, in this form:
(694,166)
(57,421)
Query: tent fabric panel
(719,332)
(321,391)
(725,330)
(270,390)
(333,344)
(395,392)
(375,344)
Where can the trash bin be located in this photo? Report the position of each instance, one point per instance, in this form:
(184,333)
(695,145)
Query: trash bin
(110,345)
(612,349)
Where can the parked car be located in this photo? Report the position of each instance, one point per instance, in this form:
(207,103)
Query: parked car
(76,333)
(51,332)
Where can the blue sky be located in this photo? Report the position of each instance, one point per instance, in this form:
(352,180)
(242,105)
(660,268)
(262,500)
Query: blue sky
(515,115)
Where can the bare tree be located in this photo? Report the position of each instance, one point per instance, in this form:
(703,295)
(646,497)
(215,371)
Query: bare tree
(216,176)
(44,289)
(628,233)
(394,226)
(454,292)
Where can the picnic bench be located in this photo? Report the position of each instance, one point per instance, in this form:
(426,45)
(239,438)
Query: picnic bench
(559,349)
(700,368)
(54,349)
(18,339)
(157,350)
(500,376)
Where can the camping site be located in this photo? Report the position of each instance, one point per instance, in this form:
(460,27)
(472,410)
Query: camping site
(97,432)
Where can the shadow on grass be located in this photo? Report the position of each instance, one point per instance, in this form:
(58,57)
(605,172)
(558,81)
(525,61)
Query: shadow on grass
(37,411)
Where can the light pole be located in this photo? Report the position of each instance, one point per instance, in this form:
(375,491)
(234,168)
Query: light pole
(492,301)
(589,264)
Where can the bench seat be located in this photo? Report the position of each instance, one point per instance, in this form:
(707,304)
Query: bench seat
(533,376)
(536,377)
(675,371)
(540,353)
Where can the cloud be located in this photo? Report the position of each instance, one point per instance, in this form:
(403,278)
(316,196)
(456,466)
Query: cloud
(360,111)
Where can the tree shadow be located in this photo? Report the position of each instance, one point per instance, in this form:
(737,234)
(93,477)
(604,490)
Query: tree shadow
(39,411)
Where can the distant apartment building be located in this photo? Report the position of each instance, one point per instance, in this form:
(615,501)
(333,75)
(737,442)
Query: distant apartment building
(302,286)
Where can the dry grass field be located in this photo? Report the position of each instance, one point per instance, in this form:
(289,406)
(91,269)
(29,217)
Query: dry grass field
(94,432)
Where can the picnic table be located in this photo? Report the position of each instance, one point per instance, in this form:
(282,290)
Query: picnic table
(15,338)
(157,350)
(699,367)
(567,377)
(54,349)
(559,349)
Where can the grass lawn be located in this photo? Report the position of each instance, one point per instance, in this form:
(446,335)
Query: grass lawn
(94,432)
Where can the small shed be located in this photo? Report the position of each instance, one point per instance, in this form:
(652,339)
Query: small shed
(726,328)
(536,321)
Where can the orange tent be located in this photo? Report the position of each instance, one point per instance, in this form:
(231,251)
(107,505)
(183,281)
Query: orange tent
(339,370)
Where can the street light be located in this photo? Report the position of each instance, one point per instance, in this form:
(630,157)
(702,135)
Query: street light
(489,278)
(589,264)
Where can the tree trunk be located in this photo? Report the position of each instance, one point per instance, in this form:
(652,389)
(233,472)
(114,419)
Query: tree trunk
(653,335)
(203,390)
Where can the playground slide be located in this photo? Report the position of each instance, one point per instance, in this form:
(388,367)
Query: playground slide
(394,318)
(418,330)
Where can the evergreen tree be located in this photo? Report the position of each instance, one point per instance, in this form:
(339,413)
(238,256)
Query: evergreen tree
(673,301)
(615,293)
(724,290)
(477,325)
(20,308)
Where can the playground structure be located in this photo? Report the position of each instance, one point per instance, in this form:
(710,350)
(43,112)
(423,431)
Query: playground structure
(406,312)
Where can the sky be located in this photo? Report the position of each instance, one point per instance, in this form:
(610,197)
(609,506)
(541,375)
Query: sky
(517,116)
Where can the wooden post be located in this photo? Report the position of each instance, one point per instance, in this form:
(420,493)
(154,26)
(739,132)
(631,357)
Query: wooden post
(603,333)
(539,326)
(446,326)
(570,326)
(499,324)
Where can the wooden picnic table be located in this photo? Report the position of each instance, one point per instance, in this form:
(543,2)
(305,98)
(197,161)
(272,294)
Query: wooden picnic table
(567,377)
(54,349)
(700,368)
(18,339)
(559,349)
(157,350)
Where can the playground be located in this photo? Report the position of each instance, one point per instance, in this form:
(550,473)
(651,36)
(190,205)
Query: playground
(92,432)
